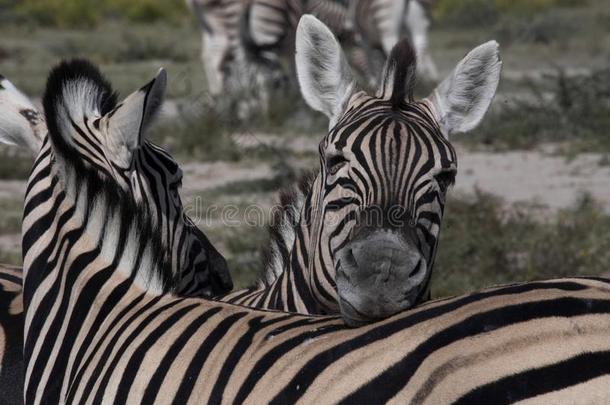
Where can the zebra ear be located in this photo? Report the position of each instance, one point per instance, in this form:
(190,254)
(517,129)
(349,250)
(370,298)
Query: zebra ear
(324,74)
(463,98)
(130,119)
(21,124)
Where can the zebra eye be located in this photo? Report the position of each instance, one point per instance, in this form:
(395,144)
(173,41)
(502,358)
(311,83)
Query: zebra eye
(445,180)
(335,163)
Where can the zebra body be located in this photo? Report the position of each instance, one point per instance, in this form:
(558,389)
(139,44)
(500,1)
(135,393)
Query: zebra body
(539,342)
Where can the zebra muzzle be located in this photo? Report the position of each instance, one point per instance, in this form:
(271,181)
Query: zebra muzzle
(379,274)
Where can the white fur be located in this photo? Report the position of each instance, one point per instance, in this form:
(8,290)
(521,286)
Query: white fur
(15,129)
(463,98)
(323,72)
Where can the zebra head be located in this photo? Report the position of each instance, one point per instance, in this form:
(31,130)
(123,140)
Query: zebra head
(386,166)
(22,124)
(109,139)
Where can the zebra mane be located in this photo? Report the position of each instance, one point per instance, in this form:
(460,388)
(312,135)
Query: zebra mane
(75,89)
(399,75)
(283,229)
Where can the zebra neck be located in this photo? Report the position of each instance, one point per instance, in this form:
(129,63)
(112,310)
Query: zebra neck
(70,215)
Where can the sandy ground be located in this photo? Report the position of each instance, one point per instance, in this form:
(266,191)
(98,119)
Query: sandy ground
(518,176)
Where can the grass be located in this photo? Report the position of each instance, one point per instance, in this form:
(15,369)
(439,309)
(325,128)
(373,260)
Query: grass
(85,13)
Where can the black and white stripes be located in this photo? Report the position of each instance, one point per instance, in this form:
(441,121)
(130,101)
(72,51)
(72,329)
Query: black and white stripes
(94,334)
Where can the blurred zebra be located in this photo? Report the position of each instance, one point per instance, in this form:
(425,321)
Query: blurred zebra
(11,335)
(362,235)
(417,22)
(369,27)
(219,22)
(243,41)
(95,333)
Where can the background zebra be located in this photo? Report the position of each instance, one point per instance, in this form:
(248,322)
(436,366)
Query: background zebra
(11,335)
(102,338)
(234,62)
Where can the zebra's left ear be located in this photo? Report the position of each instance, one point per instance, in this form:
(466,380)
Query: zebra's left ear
(462,99)
(130,119)
(324,74)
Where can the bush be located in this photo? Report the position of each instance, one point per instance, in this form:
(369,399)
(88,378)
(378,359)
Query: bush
(86,13)
(485,243)
(478,13)
(576,109)
(63,13)
(149,10)
(467,13)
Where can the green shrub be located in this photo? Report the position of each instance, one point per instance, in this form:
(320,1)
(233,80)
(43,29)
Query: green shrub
(467,13)
(87,13)
(574,109)
(484,242)
(478,13)
(149,10)
(63,13)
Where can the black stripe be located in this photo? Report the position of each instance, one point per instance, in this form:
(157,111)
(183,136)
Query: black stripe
(232,360)
(543,380)
(387,384)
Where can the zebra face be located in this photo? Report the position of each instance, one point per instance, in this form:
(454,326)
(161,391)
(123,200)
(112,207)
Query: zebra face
(387,172)
(386,166)
(109,138)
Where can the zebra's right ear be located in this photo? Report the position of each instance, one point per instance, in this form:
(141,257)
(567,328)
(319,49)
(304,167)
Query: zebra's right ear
(324,74)
(462,99)
(21,124)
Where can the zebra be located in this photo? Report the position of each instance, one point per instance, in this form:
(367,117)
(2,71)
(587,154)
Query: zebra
(370,27)
(219,22)
(94,333)
(365,238)
(308,271)
(242,41)
(204,271)
(11,335)
(198,268)
(417,23)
